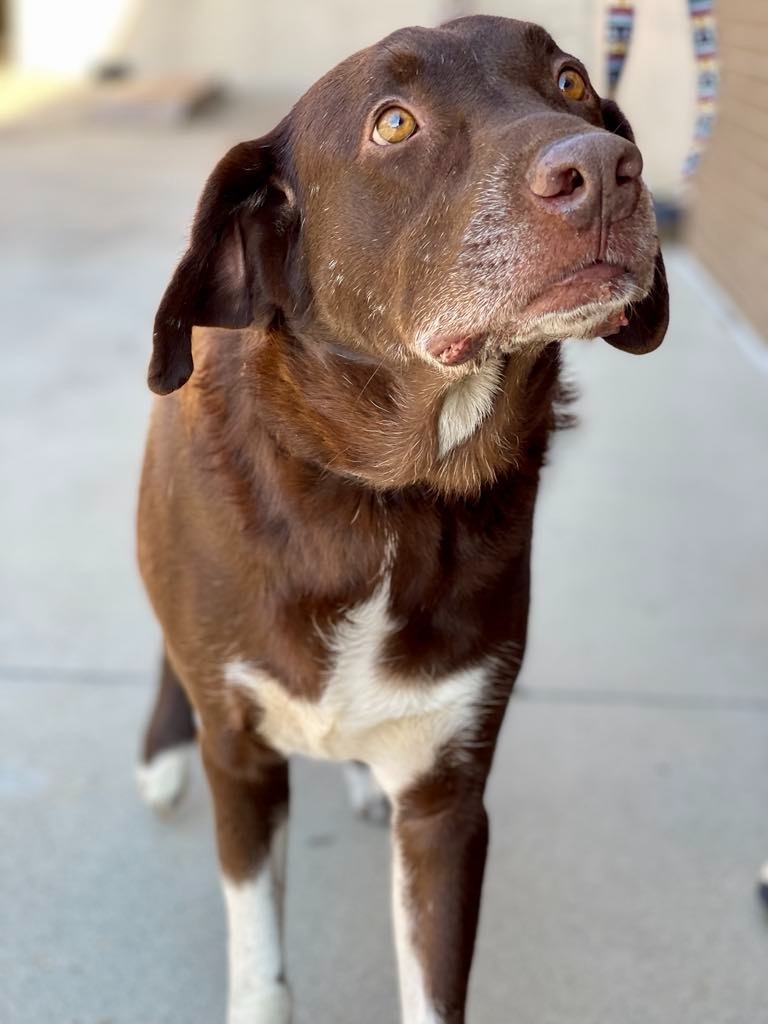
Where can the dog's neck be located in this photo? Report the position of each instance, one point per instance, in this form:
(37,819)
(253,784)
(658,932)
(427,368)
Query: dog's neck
(382,425)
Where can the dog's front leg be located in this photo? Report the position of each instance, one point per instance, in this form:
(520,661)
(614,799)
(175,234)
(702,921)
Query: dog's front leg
(250,797)
(440,838)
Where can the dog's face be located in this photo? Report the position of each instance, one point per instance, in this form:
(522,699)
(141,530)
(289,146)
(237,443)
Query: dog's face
(446,194)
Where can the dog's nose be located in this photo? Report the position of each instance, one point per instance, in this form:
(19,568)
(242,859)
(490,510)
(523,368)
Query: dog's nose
(586,178)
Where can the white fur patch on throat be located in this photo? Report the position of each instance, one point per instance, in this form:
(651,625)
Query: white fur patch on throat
(466,404)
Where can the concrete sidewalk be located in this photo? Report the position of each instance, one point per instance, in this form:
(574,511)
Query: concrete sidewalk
(629,795)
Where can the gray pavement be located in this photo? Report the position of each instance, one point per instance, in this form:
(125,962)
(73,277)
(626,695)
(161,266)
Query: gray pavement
(629,794)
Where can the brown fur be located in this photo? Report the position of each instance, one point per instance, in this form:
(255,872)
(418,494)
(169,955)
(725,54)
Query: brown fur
(301,460)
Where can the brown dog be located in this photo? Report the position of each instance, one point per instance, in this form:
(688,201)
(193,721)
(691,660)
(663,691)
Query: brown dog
(335,516)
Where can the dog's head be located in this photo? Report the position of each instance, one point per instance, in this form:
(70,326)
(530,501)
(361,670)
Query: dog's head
(445,194)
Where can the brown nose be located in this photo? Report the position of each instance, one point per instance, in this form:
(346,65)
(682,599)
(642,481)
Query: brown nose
(587,178)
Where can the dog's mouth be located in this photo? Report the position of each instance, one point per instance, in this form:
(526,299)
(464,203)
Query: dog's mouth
(596,283)
(578,294)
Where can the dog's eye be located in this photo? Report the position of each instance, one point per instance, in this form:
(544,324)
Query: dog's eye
(572,85)
(394,125)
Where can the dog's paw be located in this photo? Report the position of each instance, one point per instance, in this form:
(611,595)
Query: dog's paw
(162,781)
(261,1004)
(368,799)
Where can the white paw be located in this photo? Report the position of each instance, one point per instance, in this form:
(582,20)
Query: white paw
(365,794)
(266,1004)
(163,780)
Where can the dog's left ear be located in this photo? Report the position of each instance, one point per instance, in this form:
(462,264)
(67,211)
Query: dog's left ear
(649,319)
(233,271)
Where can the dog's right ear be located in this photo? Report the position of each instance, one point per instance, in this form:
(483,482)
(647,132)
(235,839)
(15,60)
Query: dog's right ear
(230,275)
(649,318)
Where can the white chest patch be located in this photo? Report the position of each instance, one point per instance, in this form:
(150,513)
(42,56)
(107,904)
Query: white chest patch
(365,714)
(466,404)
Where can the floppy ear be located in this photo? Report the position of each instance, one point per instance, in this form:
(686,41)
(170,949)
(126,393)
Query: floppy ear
(649,319)
(614,120)
(230,276)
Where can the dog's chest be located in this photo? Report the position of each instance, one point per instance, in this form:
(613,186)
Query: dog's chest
(365,712)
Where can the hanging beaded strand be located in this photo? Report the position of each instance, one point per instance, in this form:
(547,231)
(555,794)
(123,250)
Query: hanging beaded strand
(707,78)
(619,24)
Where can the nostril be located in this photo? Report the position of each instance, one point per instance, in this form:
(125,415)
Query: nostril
(629,167)
(553,178)
(571,181)
(566,182)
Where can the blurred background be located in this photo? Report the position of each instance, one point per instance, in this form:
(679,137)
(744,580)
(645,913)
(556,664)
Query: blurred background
(629,794)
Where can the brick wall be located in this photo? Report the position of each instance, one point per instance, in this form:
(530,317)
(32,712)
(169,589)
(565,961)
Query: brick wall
(729,222)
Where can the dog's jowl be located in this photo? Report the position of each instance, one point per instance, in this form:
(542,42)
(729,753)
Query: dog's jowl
(339,484)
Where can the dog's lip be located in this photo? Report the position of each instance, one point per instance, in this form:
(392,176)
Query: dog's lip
(455,349)
(596,282)
(593,283)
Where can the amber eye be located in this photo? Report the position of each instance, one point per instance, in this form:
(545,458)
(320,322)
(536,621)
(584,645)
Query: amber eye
(394,125)
(572,85)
